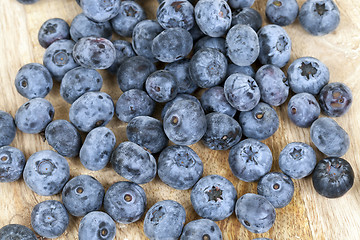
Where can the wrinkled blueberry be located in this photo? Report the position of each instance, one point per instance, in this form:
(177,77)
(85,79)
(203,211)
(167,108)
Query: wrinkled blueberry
(161,86)
(52,30)
(12,163)
(201,229)
(247,16)
(335,99)
(16,231)
(100,10)
(173,13)
(7,128)
(282,12)
(214,100)
(303,109)
(97,225)
(123,50)
(180,70)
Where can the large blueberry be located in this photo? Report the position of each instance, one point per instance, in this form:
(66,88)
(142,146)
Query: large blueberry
(201,229)
(97,225)
(335,99)
(303,109)
(282,12)
(16,231)
(12,163)
(178,97)
(173,13)
(100,10)
(161,86)
(52,30)
(247,16)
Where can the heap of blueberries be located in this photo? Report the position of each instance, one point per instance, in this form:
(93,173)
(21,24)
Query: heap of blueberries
(208,44)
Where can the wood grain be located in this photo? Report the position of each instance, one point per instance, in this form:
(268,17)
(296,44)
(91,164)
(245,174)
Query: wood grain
(309,216)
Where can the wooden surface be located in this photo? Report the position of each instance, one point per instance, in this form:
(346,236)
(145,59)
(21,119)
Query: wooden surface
(308,216)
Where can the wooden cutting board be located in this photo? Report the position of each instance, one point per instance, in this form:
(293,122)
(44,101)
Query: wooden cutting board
(308,216)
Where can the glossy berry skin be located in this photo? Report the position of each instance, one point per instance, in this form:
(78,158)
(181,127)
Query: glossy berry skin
(260,123)
(91,110)
(273,85)
(7,128)
(308,74)
(222,131)
(33,80)
(282,12)
(214,100)
(333,177)
(330,138)
(319,17)
(93,52)
(297,160)
(130,13)
(147,132)
(132,162)
(164,220)
(276,187)
(133,73)
(179,167)
(250,159)
(133,103)
(63,137)
(247,16)
(16,231)
(180,70)
(208,67)
(241,91)
(255,213)
(97,225)
(247,70)
(82,194)
(123,50)
(213,197)
(172,13)
(335,99)
(34,115)
(97,148)
(200,229)
(185,122)
(179,97)
(213,17)
(100,10)
(241,3)
(125,202)
(275,45)
(303,109)
(46,172)
(58,58)
(161,86)
(12,163)
(81,26)
(217,43)
(52,30)
(242,45)
(49,219)
(78,81)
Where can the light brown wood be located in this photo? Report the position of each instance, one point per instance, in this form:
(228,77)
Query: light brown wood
(309,216)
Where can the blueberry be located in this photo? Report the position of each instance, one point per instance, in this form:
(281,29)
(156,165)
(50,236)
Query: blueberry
(222,131)
(255,213)
(208,67)
(214,100)
(173,13)
(178,97)
(125,202)
(179,167)
(241,3)
(123,50)
(161,86)
(276,187)
(63,137)
(303,109)
(91,110)
(27,1)
(297,160)
(97,148)
(97,225)
(242,45)
(260,123)
(100,10)
(58,58)
(217,43)
(180,69)
(33,80)
(130,13)
(335,99)
(132,162)
(46,172)
(282,12)
(81,26)
(213,17)
(329,137)
(247,70)
(333,177)
(275,45)
(16,231)
(185,122)
(241,91)
(93,52)
(273,85)
(52,30)
(201,229)
(247,16)
(164,220)
(34,115)
(78,81)
(307,74)
(319,17)
(49,219)
(133,72)
(213,197)
(250,159)
(7,128)
(12,163)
